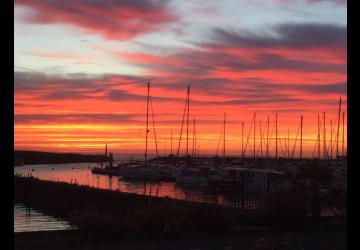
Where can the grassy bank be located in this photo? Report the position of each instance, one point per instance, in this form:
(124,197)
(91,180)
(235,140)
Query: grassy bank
(106,213)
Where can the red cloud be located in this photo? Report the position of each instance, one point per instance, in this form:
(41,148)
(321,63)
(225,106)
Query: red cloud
(113,20)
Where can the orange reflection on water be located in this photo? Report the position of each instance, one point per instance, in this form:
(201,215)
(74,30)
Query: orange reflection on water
(80,173)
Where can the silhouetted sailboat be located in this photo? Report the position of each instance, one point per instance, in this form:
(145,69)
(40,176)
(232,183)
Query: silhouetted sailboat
(189,174)
(108,169)
(147,170)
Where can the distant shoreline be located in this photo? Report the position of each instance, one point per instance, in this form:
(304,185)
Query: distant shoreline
(24,157)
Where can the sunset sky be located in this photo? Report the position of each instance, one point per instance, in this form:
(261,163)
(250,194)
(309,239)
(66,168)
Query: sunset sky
(81,69)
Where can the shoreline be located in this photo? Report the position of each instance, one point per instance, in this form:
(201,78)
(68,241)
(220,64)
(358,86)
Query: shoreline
(75,202)
(23,157)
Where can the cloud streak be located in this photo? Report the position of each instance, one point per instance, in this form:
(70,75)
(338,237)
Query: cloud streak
(112,20)
(294,36)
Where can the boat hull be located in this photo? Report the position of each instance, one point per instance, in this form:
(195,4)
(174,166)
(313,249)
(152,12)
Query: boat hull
(140,174)
(102,171)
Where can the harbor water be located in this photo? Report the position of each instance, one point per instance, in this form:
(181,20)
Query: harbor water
(80,173)
(30,220)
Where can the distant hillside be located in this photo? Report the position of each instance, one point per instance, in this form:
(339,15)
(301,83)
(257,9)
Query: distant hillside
(37,157)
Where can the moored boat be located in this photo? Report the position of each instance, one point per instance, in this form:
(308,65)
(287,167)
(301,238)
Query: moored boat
(105,171)
(192,177)
(247,179)
(140,172)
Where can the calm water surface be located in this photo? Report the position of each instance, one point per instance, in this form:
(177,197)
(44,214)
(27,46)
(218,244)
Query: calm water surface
(80,173)
(30,220)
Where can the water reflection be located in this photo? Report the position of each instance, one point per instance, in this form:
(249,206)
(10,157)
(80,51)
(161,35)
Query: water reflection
(30,220)
(80,174)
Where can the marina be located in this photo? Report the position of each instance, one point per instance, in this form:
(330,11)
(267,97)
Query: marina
(230,186)
(80,174)
(184,125)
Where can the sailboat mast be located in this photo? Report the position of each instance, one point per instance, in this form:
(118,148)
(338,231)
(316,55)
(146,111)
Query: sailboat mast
(276,135)
(171,137)
(331,141)
(224,135)
(153,122)
(301,136)
(242,139)
(187,121)
(261,139)
(285,146)
(195,138)
(324,121)
(147,121)
(288,144)
(338,129)
(267,138)
(343,133)
(254,133)
(193,142)
(318,136)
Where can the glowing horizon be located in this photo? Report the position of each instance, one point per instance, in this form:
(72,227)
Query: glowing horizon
(81,70)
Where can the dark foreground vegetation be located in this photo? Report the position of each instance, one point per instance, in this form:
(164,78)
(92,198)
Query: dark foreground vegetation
(107,214)
(244,240)
(37,157)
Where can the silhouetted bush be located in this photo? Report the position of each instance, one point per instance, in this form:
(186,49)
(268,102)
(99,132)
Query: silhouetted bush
(162,220)
(95,222)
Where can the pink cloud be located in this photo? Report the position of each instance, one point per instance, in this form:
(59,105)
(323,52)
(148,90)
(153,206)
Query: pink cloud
(112,20)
